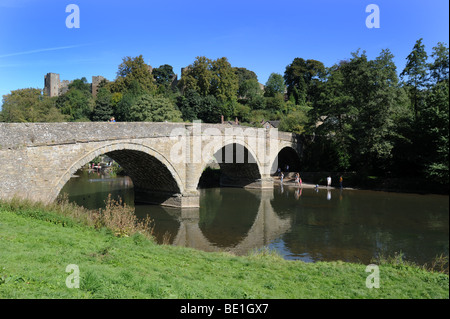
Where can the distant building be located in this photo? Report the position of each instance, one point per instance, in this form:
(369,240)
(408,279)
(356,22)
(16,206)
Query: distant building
(270,124)
(96,80)
(53,86)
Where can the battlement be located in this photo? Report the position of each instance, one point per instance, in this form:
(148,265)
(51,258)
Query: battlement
(53,86)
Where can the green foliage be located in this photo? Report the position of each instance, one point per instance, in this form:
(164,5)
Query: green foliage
(295,122)
(77,103)
(434,127)
(154,109)
(415,73)
(163,75)
(274,85)
(29,105)
(134,74)
(440,66)
(193,106)
(103,109)
(208,77)
(301,78)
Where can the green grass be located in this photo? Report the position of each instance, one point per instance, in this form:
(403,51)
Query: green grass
(37,244)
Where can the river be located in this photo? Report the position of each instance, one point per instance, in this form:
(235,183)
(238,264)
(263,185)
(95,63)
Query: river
(305,224)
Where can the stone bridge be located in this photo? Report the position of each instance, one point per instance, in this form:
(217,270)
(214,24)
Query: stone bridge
(164,160)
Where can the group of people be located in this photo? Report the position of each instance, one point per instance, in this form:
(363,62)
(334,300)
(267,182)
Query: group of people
(298,179)
(341,180)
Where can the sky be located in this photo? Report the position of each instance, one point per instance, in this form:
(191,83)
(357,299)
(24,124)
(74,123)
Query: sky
(262,36)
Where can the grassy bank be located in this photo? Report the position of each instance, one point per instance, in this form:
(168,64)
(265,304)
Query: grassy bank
(38,242)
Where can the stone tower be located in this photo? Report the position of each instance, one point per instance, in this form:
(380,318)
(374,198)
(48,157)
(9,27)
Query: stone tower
(95,83)
(51,84)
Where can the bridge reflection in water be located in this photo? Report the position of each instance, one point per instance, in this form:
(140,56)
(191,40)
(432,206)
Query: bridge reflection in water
(229,221)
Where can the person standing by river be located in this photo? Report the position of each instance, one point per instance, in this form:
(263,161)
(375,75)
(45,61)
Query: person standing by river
(328,181)
(340,181)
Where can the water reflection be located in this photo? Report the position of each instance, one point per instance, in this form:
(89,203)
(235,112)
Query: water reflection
(310,224)
(239,222)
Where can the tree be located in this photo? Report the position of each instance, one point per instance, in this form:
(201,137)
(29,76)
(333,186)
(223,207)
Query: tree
(439,67)
(81,85)
(154,109)
(246,82)
(334,119)
(134,70)
(415,73)
(77,102)
(225,82)
(197,76)
(209,77)
(274,85)
(164,77)
(377,80)
(295,122)
(301,77)
(103,109)
(29,105)
(123,106)
(190,105)
(249,90)
(435,133)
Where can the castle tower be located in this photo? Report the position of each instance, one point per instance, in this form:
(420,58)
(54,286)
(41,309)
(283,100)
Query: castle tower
(51,84)
(95,83)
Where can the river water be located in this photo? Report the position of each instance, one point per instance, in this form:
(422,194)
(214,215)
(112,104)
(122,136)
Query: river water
(306,224)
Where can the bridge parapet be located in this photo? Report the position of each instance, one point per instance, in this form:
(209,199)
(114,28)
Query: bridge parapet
(37,159)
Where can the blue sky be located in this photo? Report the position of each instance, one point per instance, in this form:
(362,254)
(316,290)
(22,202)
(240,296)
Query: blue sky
(262,36)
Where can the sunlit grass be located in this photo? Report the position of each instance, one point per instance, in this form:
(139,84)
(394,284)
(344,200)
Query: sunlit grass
(38,241)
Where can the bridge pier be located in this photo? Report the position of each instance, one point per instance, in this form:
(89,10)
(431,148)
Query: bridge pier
(37,159)
(182,200)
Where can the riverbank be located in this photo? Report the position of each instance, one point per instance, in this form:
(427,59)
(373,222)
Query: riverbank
(37,243)
(353,180)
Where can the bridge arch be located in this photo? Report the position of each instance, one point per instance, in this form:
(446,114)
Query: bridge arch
(235,173)
(152,173)
(287,155)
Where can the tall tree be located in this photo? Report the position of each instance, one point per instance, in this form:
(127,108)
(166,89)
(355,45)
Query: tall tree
(163,75)
(197,76)
(134,70)
(415,73)
(225,82)
(274,85)
(246,81)
(301,76)
(334,120)
(103,109)
(377,80)
(440,66)
(435,133)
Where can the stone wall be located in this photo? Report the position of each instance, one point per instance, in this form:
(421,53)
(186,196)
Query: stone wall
(37,159)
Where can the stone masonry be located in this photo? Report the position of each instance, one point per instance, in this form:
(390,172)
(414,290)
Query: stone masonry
(164,160)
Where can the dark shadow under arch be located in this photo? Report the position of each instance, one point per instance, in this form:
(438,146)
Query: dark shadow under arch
(152,180)
(287,156)
(233,166)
